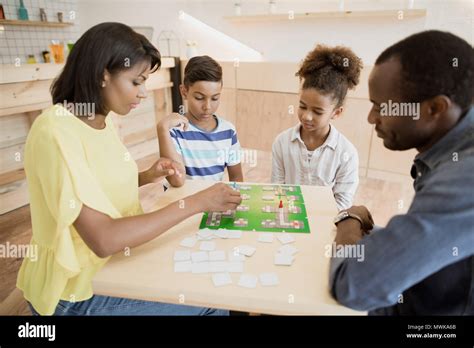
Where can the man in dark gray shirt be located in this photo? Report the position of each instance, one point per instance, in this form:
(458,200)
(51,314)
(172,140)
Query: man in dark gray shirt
(421,263)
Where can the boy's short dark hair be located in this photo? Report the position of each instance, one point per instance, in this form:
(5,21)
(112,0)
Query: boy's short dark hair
(111,46)
(434,63)
(202,68)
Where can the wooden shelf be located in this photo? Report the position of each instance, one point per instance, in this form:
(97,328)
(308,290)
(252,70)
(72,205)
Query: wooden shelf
(35,23)
(333,14)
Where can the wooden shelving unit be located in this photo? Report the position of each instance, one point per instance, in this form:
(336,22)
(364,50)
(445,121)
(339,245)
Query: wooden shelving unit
(35,23)
(333,14)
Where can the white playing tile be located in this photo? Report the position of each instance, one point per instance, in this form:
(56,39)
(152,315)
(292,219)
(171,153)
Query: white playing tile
(269,279)
(217,255)
(234,256)
(188,242)
(285,238)
(182,255)
(235,267)
(218,266)
(287,249)
(199,256)
(200,267)
(221,279)
(205,233)
(183,267)
(207,246)
(221,233)
(248,281)
(283,259)
(234,234)
(246,250)
(265,237)
(206,238)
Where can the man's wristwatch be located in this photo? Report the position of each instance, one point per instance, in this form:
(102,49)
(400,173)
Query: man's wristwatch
(343,215)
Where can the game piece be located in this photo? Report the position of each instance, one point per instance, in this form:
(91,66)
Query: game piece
(182,255)
(199,256)
(221,233)
(218,266)
(217,255)
(205,233)
(265,237)
(245,196)
(207,246)
(235,267)
(221,279)
(242,207)
(283,259)
(200,267)
(241,222)
(234,234)
(269,279)
(285,238)
(248,281)
(183,267)
(188,242)
(287,249)
(268,197)
(246,250)
(234,256)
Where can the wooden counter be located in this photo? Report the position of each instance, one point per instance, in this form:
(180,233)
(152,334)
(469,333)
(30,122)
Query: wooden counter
(25,92)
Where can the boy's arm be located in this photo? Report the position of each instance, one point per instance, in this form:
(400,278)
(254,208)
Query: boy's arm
(167,146)
(235,173)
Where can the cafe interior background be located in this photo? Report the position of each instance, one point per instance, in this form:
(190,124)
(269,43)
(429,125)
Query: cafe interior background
(259,44)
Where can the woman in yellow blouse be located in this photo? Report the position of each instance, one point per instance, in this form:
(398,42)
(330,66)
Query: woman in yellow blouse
(83,185)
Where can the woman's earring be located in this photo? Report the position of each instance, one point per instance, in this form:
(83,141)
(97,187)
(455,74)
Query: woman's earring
(103,84)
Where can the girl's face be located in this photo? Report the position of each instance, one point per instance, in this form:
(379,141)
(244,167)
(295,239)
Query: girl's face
(124,90)
(203,98)
(316,110)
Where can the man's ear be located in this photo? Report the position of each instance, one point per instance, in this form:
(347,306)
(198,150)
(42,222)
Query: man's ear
(436,106)
(184,91)
(337,112)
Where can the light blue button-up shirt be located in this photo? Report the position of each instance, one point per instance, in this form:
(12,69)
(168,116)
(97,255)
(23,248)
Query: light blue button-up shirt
(421,263)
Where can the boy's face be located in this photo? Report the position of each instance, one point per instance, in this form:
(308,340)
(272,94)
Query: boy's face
(316,110)
(203,99)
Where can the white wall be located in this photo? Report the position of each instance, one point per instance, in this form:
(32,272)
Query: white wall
(285,40)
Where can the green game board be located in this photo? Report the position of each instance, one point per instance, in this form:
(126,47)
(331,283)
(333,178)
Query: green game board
(263,212)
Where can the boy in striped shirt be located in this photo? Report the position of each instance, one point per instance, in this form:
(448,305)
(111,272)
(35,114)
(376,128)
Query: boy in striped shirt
(203,143)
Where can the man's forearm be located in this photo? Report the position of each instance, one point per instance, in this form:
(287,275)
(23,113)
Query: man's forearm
(348,232)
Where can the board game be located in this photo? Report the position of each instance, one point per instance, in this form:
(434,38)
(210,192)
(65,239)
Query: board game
(272,208)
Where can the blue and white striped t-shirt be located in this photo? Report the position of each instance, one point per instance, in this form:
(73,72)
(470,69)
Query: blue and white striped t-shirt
(206,154)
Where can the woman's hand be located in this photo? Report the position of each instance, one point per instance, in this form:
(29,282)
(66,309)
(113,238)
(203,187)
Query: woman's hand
(219,197)
(162,168)
(174,120)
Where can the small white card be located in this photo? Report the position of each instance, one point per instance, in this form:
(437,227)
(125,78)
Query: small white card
(285,238)
(265,237)
(217,255)
(269,279)
(234,256)
(205,233)
(182,255)
(200,267)
(221,279)
(183,267)
(235,267)
(283,259)
(246,250)
(189,242)
(220,233)
(207,246)
(248,281)
(234,234)
(287,249)
(199,256)
(218,266)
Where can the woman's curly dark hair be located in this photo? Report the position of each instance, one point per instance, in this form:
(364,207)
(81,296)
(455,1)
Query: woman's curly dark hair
(331,70)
